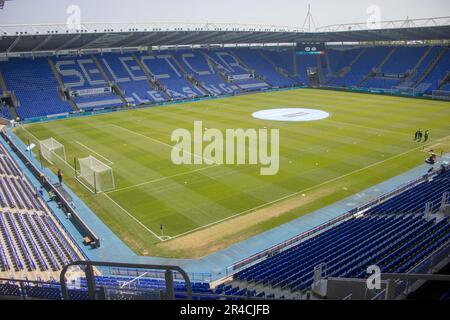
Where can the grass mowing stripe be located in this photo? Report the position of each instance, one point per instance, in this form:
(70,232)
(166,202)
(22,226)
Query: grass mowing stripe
(310,154)
(299,192)
(163,178)
(109,162)
(133,217)
(157,141)
(371,128)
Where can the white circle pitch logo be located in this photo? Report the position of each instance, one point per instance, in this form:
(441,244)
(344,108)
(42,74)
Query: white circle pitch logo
(291,115)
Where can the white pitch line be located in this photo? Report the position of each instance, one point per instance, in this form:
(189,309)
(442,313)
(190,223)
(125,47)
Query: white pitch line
(27,131)
(158,141)
(133,217)
(163,178)
(370,128)
(89,149)
(296,193)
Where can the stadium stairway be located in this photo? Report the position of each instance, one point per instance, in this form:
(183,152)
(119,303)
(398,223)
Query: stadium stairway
(166,75)
(339,61)
(247,66)
(215,67)
(328,64)
(265,71)
(412,72)
(439,73)
(421,66)
(154,83)
(386,59)
(431,66)
(116,89)
(7,111)
(279,69)
(32,244)
(3,88)
(228,65)
(191,78)
(377,69)
(395,235)
(349,67)
(202,70)
(61,84)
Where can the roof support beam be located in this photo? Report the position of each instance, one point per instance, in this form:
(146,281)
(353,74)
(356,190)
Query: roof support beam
(40,45)
(143,39)
(120,41)
(105,35)
(68,43)
(15,42)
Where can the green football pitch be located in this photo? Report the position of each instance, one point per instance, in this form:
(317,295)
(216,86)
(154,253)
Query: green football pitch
(366,140)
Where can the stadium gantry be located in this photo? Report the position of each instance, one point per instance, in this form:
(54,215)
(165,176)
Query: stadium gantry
(51,72)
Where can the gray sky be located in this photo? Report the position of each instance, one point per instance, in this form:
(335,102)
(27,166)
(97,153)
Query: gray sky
(269,12)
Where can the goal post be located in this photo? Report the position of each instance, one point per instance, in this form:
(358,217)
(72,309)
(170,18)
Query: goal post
(98,176)
(52,151)
(441,95)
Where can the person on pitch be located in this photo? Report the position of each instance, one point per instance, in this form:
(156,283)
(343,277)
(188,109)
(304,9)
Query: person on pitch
(416,136)
(60,177)
(419,135)
(426,136)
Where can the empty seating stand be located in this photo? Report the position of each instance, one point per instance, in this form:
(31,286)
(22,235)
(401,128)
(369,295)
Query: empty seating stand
(113,79)
(35,86)
(393,235)
(31,240)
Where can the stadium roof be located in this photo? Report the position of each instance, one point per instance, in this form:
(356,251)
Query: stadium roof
(60,38)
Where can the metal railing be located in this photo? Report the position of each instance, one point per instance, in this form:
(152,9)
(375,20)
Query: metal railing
(264,254)
(49,186)
(392,24)
(91,282)
(420,272)
(92,27)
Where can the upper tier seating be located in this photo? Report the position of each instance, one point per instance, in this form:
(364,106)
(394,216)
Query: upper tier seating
(142,288)
(81,74)
(414,200)
(428,59)
(31,241)
(369,60)
(125,72)
(184,74)
(403,59)
(401,62)
(230,66)
(339,59)
(4,112)
(35,86)
(255,60)
(304,62)
(383,236)
(439,72)
(164,68)
(196,65)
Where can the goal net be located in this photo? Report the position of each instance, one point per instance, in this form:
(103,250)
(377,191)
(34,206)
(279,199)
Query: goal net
(53,151)
(441,95)
(98,175)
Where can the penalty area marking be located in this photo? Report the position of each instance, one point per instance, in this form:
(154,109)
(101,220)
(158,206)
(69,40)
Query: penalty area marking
(162,239)
(163,178)
(166,238)
(98,154)
(159,142)
(295,194)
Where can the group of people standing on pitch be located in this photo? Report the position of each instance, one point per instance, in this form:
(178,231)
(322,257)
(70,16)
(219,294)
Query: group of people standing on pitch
(419,135)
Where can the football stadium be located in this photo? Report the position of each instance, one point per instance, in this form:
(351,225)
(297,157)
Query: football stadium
(224,161)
